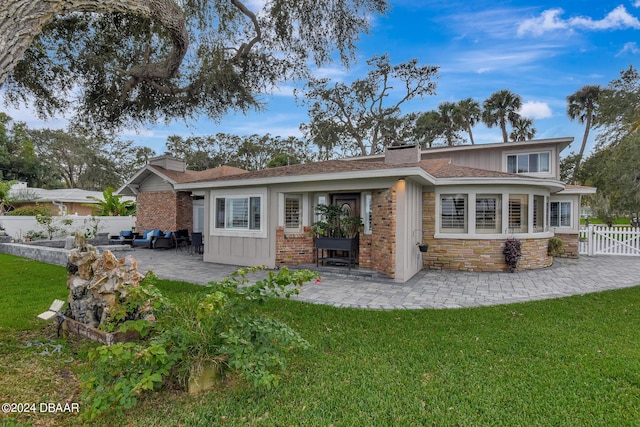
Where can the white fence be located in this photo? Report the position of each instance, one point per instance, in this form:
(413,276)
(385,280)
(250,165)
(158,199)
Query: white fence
(17,227)
(603,240)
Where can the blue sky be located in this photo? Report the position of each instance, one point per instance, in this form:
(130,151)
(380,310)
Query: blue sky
(541,50)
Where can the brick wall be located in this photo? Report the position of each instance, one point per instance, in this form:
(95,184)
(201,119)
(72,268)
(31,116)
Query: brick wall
(475,255)
(364,253)
(164,210)
(383,228)
(570,245)
(294,248)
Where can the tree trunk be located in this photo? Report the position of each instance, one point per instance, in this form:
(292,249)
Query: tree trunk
(21,21)
(582,147)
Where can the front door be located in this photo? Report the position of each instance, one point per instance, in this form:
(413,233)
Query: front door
(350,202)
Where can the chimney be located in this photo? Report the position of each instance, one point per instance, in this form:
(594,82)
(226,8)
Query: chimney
(400,154)
(169,162)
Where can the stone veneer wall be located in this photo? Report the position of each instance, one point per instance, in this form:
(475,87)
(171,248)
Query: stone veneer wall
(164,210)
(475,254)
(294,248)
(383,229)
(570,244)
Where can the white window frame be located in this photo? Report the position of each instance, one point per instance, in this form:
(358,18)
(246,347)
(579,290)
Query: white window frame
(367,202)
(449,228)
(497,214)
(216,230)
(518,157)
(300,213)
(559,217)
(504,192)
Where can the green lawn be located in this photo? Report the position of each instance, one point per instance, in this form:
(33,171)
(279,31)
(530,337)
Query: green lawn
(571,361)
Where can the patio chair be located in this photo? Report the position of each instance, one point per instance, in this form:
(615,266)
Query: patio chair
(125,237)
(146,239)
(197,243)
(167,241)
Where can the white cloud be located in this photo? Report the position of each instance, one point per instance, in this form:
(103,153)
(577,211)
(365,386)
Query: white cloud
(630,47)
(536,110)
(550,20)
(636,3)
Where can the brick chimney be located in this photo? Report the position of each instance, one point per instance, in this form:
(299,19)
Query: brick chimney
(400,154)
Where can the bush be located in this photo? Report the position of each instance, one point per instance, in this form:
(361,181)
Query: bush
(556,247)
(222,326)
(29,211)
(512,253)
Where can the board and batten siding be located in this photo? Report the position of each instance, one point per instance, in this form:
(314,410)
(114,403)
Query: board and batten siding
(408,230)
(153,184)
(242,248)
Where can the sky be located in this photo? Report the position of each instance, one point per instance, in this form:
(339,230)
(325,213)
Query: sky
(541,50)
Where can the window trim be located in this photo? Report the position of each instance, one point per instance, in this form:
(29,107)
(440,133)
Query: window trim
(214,224)
(517,155)
(299,198)
(456,217)
(505,232)
(560,203)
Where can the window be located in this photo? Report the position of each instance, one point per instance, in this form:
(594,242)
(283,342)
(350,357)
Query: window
(293,212)
(238,213)
(560,214)
(488,213)
(538,214)
(518,213)
(368,214)
(528,163)
(453,217)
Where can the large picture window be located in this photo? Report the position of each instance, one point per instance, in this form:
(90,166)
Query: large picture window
(453,215)
(238,213)
(528,163)
(488,213)
(560,214)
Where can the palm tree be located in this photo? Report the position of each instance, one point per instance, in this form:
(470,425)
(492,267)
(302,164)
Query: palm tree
(583,106)
(468,113)
(501,107)
(522,129)
(451,128)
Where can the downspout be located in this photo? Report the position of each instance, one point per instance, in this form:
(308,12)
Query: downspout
(62,209)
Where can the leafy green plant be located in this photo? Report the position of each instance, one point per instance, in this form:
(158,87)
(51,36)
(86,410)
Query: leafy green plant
(92,227)
(223,326)
(512,253)
(555,247)
(336,222)
(111,205)
(29,210)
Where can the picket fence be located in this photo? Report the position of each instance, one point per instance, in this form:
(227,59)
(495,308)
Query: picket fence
(603,240)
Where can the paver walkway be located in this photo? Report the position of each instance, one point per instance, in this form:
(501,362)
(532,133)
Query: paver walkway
(428,289)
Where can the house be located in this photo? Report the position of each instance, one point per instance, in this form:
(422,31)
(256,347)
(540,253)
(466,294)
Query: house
(159,204)
(464,201)
(64,201)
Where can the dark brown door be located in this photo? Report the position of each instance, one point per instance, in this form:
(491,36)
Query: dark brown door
(350,201)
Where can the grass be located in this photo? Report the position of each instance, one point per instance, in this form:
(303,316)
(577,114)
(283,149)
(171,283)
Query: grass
(570,361)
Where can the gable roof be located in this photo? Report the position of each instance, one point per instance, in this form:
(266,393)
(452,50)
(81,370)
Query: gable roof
(174,177)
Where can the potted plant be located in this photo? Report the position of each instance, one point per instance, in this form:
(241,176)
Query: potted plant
(512,253)
(336,231)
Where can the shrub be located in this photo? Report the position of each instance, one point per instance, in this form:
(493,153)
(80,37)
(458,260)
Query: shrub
(556,247)
(512,253)
(222,326)
(29,210)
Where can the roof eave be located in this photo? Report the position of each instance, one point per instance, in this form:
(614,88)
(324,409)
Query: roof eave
(416,172)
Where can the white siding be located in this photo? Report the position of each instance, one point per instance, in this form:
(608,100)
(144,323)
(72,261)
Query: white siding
(408,230)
